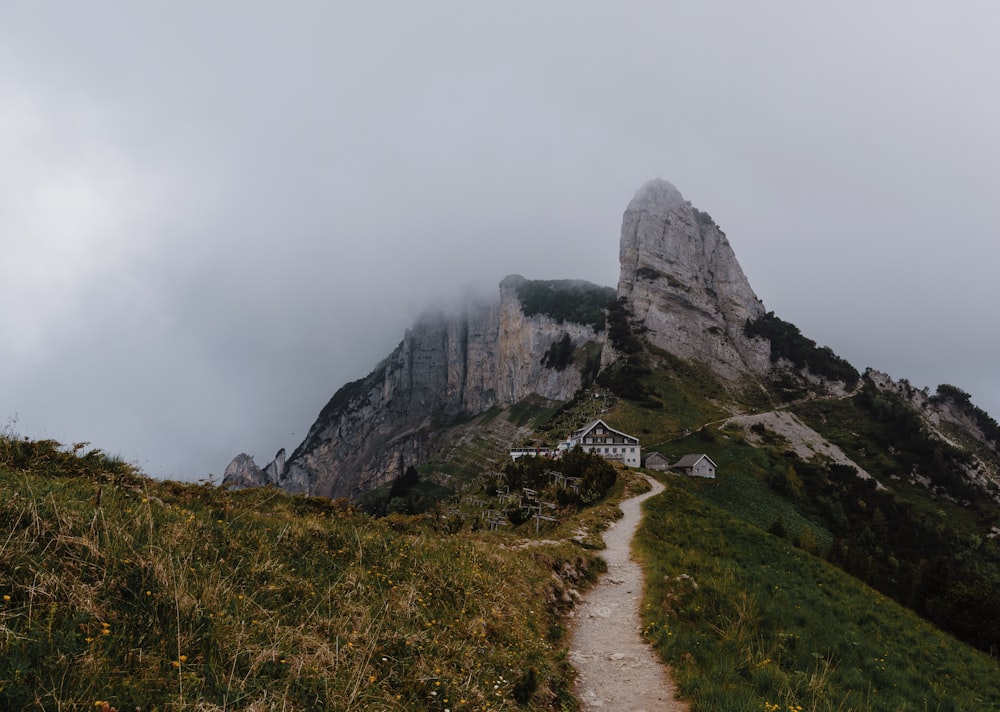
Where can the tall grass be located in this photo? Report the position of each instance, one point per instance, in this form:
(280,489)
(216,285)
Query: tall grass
(163,596)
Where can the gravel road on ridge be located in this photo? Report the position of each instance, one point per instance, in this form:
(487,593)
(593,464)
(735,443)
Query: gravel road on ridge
(617,670)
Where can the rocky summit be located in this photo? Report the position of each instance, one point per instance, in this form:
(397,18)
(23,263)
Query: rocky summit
(680,282)
(684,285)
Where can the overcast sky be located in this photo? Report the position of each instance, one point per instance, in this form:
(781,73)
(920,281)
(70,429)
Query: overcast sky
(214,214)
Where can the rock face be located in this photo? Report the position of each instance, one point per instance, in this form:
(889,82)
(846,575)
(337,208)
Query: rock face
(679,276)
(447,367)
(684,285)
(243,472)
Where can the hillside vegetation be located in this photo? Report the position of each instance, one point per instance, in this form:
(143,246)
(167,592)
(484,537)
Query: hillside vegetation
(787,342)
(783,585)
(759,581)
(162,596)
(749,622)
(790,584)
(565,300)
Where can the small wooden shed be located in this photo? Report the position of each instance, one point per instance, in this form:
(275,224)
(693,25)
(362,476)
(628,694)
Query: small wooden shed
(657,461)
(698,465)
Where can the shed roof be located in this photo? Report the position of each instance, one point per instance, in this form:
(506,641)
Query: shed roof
(692,460)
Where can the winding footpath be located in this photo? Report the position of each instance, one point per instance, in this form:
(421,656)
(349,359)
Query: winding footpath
(617,670)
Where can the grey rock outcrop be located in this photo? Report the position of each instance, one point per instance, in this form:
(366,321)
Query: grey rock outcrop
(244,472)
(447,367)
(685,286)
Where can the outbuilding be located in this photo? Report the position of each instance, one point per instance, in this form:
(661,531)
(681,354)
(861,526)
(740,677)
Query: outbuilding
(699,465)
(657,461)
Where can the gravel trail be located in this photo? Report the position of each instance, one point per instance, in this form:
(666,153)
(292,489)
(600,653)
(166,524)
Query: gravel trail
(617,669)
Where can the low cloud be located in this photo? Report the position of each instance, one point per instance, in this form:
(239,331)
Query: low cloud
(212,220)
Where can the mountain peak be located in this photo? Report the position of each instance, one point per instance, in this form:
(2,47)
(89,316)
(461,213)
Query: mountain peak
(657,196)
(684,284)
(541,338)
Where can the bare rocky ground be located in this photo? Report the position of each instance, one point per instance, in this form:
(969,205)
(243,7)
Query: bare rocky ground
(617,670)
(803,440)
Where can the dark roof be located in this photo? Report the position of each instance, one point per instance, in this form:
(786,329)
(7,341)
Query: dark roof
(590,426)
(692,460)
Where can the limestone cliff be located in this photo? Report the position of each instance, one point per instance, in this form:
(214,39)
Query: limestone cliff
(679,277)
(684,285)
(447,367)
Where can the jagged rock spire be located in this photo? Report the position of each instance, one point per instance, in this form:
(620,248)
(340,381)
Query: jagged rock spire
(684,284)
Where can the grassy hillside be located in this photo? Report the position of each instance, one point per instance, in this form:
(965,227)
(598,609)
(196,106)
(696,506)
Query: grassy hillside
(762,585)
(165,596)
(750,622)
(757,580)
(925,537)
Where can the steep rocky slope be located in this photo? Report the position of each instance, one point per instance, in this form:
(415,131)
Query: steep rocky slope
(949,417)
(447,367)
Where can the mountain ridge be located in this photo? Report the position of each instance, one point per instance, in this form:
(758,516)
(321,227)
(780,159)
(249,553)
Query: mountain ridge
(681,291)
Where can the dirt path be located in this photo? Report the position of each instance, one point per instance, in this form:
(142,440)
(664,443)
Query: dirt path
(617,669)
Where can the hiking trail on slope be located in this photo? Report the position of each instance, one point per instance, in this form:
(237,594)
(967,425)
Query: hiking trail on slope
(617,669)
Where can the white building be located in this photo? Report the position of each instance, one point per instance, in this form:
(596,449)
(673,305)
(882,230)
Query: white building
(611,444)
(519,452)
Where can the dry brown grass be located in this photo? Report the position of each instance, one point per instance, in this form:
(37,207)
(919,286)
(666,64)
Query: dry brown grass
(176,597)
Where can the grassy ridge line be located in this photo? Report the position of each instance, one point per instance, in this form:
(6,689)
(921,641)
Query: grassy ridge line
(750,623)
(168,597)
